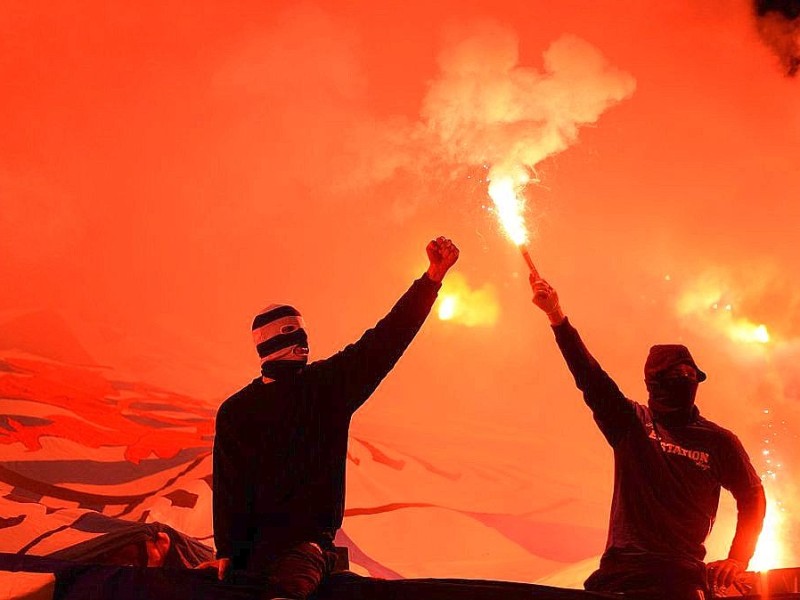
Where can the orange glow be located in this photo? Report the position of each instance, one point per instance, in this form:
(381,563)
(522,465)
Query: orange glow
(506,193)
(448,307)
(770,551)
(745,331)
(154,197)
(466,306)
(706,302)
(774,549)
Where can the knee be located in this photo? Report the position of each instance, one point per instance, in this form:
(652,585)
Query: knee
(296,584)
(293,588)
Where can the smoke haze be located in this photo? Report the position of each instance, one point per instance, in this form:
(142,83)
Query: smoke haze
(166,171)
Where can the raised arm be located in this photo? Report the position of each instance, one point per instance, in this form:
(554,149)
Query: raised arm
(612,411)
(354,373)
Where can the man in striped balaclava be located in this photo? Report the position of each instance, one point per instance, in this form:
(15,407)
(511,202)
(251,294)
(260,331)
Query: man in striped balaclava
(281,340)
(281,441)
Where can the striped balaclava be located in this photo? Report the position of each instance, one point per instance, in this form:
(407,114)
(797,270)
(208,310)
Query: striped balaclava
(281,341)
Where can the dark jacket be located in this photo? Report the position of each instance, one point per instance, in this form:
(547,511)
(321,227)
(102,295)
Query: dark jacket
(281,447)
(667,480)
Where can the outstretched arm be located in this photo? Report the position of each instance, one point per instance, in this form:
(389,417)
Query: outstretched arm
(354,373)
(612,411)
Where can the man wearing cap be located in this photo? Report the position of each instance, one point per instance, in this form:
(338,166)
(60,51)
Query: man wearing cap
(669,466)
(281,442)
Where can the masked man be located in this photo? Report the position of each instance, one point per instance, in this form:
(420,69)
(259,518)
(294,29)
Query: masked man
(669,466)
(281,442)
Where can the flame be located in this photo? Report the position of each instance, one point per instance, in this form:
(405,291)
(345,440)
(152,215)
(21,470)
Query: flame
(773,548)
(505,189)
(770,553)
(745,331)
(471,307)
(448,307)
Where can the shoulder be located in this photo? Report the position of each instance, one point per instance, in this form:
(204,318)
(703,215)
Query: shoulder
(713,428)
(643,414)
(724,438)
(641,410)
(235,402)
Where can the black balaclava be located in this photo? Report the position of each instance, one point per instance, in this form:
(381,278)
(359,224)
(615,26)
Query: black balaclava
(281,341)
(672,390)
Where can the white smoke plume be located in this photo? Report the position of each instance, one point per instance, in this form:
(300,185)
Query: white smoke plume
(487,108)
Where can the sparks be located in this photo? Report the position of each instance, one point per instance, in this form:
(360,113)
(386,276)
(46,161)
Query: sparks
(773,547)
(505,191)
(769,552)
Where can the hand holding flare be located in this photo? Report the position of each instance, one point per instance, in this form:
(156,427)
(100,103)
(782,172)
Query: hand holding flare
(505,192)
(546,298)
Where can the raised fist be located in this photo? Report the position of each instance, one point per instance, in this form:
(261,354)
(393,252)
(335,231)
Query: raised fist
(442,254)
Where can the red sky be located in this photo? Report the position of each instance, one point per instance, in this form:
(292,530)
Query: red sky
(168,169)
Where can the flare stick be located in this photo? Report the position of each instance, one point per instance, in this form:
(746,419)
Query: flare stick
(527,256)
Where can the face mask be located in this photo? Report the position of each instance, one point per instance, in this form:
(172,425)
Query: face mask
(670,395)
(282,369)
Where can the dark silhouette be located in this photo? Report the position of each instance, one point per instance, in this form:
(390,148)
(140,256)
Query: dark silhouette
(281,441)
(669,466)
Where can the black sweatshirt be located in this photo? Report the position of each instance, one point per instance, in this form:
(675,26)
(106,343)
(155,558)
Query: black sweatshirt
(281,447)
(666,479)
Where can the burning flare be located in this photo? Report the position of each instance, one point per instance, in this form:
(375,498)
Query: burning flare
(770,549)
(505,190)
(461,304)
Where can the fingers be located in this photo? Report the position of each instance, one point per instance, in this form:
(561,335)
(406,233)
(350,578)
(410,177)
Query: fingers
(441,243)
(741,587)
(443,249)
(540,284)
(449,250)
(534,277)
(222,570)
(540,287)
(727,574)
(724,573)
(719,575)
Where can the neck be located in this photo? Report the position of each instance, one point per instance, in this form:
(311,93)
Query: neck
(676,418)
(281,369)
